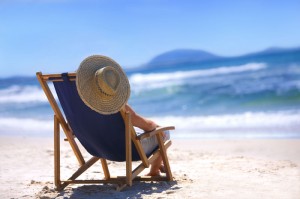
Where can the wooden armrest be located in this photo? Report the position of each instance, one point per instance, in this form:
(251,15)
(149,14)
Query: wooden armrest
(154,132)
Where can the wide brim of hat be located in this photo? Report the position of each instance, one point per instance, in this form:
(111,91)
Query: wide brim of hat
(92,95)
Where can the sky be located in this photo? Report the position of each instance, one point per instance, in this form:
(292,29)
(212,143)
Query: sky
(54,36)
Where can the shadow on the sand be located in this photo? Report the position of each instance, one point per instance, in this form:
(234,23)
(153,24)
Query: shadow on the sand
(137,190)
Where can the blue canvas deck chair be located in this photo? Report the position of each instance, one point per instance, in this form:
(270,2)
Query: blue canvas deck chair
(105,137)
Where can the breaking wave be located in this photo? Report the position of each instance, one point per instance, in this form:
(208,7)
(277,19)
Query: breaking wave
(159,80)
(23,94)
(281,124)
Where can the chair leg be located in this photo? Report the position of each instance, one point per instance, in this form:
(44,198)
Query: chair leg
(128,149)
(57,181)
(105,168)
(163,153)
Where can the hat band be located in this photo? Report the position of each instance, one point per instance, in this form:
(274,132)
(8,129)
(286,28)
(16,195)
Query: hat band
(101,90)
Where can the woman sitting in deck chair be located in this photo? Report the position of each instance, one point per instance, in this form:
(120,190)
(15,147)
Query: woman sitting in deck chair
(104,87)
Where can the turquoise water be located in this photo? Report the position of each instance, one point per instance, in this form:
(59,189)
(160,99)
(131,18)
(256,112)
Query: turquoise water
(220,87)
(256,96)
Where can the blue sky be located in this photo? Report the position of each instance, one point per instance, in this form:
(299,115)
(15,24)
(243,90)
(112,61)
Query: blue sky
(56,35)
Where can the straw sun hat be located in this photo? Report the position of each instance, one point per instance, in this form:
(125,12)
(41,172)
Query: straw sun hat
(102,84)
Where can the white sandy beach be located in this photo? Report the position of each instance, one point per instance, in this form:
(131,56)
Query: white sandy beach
(246,168)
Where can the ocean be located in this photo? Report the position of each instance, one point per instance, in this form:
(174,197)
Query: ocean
(242,97)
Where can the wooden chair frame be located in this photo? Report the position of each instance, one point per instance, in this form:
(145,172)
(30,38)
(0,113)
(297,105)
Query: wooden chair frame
(130,136)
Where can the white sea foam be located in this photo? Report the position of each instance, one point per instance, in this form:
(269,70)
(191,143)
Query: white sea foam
(249,124)
(25,126)
(158,80)
(22,94)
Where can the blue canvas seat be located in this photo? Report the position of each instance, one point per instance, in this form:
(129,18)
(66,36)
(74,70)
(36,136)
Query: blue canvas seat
(105,137)
(101,135)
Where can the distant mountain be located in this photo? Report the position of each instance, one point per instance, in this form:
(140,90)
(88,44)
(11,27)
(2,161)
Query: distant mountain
(272,50)
(180,57)
(189,58)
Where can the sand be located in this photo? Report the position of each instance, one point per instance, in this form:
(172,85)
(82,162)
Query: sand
(246,168)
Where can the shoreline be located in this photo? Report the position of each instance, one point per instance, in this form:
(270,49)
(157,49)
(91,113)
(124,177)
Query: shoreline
(273,149)
(202,168)
(273,124)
